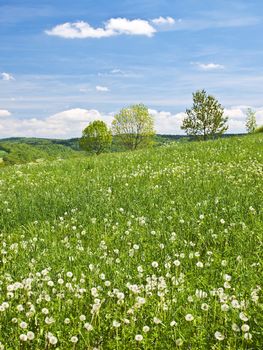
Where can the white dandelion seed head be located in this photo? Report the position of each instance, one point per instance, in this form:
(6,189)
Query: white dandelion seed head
(138,337)
(146,329)
(219,336)
(74,339)
(245,327)
(189,317)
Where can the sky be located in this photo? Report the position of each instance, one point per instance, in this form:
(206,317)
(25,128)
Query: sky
(64,64)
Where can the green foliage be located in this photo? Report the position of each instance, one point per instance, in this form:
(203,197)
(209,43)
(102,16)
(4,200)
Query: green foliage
(259,129)
(96,137)
(99,248)
(205,118)
(19,153)
(134,126)
(251,123)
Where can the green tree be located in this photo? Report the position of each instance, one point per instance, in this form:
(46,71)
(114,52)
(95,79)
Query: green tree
(206,117)
(134,126)
(96,137)
(251,123)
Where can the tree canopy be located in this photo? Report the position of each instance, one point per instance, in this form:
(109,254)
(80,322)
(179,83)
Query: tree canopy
(96,137)
(205,118)
(134,126)
(251,123)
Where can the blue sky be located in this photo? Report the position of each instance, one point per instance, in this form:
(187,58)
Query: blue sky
(64,63)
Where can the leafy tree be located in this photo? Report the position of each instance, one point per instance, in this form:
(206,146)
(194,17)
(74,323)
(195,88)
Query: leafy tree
(96,137)
(205,118)
(134,126)
(251,123)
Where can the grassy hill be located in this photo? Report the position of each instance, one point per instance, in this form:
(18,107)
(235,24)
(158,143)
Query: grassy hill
(20,150)
(24,150)
(154,249)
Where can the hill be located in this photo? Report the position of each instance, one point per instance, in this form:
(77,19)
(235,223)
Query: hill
(20,150)
(24,150)
(153,249)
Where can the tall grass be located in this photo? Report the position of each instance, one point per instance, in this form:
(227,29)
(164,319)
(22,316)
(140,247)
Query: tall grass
(154,249)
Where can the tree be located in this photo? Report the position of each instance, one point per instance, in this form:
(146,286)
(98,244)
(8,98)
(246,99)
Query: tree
(96,137)
(205,118)
(134,126)
(251,123)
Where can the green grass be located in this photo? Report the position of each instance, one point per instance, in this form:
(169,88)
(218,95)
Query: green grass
(15,152)
(101,248)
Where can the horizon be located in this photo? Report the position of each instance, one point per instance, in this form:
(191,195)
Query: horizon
(63,66)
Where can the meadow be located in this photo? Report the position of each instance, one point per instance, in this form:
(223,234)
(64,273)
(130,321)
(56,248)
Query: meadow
(154,249)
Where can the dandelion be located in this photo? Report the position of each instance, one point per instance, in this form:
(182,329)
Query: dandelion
(30,335)
(116,324)
(23,325)
(157,320)
(224,307)
(199,264)
(227,277)
(179,342)
(146,329)
(88,327)
(52,339)
(74,339)
(138,337)
(23,337)
(189,317)
(49,320)
(235,304)
(20,308)
(245,328)
(82,317)
(219,336)
(243,317)
(248,336)
(204,307)
(45,311)
(155,264)
(177,262)
(173,323)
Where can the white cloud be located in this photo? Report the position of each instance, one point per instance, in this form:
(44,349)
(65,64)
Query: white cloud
(116,71)
(66,124)
(114,26)
(70,123)
(7,76)
(4,113)
(210,66)
(167,122)
(161,21)
(102,88)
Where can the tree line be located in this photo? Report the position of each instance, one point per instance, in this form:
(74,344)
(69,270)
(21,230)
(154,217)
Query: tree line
(133,127)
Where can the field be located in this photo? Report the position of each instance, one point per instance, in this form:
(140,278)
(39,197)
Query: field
(153,249)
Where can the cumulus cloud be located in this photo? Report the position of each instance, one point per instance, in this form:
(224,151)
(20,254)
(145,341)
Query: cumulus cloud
(4,113)
(70,123)
(113,27)
(65,124)
(210,66)
(237,117)
(163,20)
(7,76)
(167,122)
(102,88)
